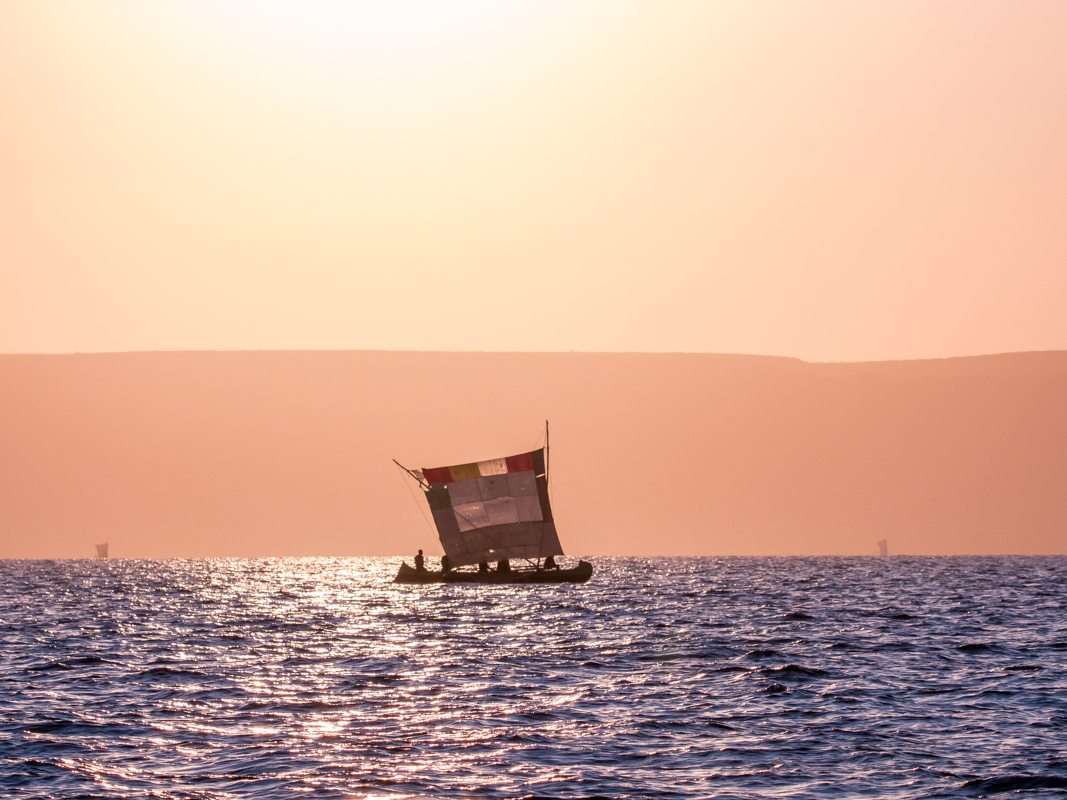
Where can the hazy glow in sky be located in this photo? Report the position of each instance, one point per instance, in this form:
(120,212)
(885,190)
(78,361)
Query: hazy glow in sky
(830,180)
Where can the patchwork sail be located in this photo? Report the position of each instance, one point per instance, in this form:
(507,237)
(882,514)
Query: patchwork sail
(492,510)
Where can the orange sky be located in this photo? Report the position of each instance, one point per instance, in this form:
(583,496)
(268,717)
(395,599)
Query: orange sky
(827,180)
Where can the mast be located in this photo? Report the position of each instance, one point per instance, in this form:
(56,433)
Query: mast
(546,488)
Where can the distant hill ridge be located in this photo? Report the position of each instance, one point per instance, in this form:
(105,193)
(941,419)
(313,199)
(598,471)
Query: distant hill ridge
(258,453)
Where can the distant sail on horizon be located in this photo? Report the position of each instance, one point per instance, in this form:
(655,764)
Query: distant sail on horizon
(492,510)
(101,550)
(883,547)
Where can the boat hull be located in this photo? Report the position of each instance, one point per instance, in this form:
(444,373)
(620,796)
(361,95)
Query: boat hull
(579,574)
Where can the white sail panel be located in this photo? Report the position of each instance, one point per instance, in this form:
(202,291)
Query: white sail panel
(494,466)
(471,515)
(515,484)
(501,511)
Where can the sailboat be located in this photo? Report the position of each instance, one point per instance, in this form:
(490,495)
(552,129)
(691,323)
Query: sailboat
(883,547)
(493,511)
(101,550)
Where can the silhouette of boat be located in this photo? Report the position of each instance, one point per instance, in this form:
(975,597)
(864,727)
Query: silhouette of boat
(101,550)
(578,574)
(493,511)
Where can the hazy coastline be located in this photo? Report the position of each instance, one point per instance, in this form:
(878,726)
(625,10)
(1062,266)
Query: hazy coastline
(287,453)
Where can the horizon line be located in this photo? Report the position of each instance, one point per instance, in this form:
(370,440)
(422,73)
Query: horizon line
(531,352)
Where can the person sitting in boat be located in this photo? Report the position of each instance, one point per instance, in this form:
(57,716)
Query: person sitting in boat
(445,566)
(503,566)
(420,563)
(483,567)
(550,563)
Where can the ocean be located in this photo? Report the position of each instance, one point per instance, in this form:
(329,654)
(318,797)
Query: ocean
(824,677)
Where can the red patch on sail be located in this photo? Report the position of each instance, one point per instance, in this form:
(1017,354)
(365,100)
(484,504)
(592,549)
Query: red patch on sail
(437,475)
(520,463)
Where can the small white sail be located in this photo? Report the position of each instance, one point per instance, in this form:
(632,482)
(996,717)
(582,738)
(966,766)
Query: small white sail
(101,550)
(883,547)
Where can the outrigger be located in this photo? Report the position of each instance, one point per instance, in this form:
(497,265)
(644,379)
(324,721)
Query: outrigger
(493,512)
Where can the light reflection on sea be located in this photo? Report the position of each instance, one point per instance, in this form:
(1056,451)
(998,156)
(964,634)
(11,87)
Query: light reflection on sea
(686,677)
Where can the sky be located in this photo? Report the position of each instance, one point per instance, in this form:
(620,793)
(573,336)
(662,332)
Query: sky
(833,181)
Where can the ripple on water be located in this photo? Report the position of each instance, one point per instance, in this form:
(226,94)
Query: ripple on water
(686,678)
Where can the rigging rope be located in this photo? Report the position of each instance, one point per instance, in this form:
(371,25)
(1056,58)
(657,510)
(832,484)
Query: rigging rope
(403,479)
(537,445)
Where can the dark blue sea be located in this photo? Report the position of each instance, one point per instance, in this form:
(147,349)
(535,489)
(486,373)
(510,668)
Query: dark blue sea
(670,678)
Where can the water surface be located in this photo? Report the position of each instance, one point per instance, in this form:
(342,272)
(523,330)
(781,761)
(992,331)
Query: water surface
(685,677)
